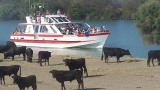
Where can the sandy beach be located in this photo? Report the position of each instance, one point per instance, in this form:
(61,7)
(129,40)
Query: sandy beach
(130,74)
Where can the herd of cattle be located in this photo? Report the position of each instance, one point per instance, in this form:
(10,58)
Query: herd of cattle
(10,50)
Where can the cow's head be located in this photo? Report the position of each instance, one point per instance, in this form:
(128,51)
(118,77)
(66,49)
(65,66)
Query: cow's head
(6,55)
(29,59)
(54,73)
(67,61)
(126,52)
(15,78)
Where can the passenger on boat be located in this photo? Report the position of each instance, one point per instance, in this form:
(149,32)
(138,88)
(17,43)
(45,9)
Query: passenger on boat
(67,32)
(67,27)
(13,32)
(34,17)
(47,12)
(103,29)
(16,31)
(39,17)
(86,33)
(58,12)
(79,31)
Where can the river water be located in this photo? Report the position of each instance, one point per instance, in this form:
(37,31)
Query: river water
(124,34)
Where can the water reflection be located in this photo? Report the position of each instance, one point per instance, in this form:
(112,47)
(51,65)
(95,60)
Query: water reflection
(71,51)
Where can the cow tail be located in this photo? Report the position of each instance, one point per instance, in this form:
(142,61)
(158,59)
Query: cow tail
(20,70)
(85,68)
(102,55)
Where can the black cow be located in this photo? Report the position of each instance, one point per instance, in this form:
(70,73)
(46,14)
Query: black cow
(62,76)
(79,63)
(153,54)
(118,52)
(9,70)
(43,55)
(6,47)
(15,51)
(10,44)
(29,53)
(3,49)
(24,82)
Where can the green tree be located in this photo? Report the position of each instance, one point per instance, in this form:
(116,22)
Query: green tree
(77,9)
(9,10)
(148,21)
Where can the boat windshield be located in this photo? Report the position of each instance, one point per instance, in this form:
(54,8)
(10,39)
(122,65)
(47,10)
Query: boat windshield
(73,26)
(60,19)
(56,19)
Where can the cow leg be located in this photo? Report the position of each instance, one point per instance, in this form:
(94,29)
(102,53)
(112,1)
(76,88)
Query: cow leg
(158,61)
(24,56)
(152,62)
(48,62)
(22,88)
(80,83)
(148,62)
(63,86)
(118,59)
(85,71)
(2,78)
(34,87)
(12,58)
(40,62)
(45,61)
(106,58)
(27,59)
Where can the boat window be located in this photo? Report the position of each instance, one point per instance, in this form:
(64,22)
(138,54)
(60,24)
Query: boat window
(53,29)
(43,29)
(49,20)
(64,19)
(59,19)
(55,20)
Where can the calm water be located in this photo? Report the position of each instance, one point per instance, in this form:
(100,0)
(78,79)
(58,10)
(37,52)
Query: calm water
(124,34)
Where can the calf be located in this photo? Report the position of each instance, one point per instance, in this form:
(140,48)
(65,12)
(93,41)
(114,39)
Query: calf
(153,54)
(43,55)
(9,70)
(15,51)
(29,53)
(79,63)
(62,76)
(24,82)
(118,52)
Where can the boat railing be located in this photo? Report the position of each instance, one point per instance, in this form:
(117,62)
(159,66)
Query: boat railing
(17,31)
(47,19)
(80,30)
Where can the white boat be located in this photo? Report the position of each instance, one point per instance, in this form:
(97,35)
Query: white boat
(56,31)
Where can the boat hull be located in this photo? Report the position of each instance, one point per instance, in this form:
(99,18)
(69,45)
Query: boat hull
(61,41)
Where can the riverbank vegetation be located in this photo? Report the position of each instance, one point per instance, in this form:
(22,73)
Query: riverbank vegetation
(76,9)
(148,21)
